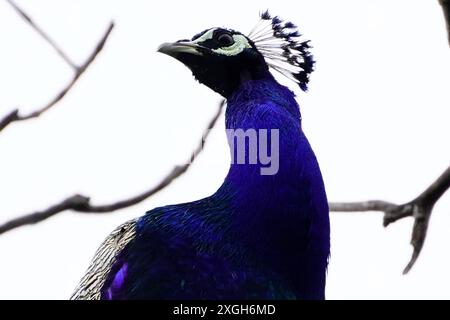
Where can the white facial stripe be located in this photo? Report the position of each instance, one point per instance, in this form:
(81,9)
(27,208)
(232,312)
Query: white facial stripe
(240,43)
(206,36)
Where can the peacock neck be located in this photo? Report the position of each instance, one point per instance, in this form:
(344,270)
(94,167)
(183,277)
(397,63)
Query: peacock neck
(273,214)
(266,141)
(264,106)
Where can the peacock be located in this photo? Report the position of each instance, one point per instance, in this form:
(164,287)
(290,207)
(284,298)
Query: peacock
(265,233)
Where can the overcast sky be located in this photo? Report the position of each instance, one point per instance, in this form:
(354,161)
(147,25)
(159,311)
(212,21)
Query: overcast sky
(377,115)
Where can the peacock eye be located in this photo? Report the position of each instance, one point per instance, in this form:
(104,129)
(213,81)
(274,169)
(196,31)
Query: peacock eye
(225,39)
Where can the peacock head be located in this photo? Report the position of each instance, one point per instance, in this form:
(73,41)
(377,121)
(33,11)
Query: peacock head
(223,59)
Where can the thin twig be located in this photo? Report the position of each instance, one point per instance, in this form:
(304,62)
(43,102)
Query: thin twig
(373,205)
(80,203)
(44,35)
(420,209)
(446,8)
(14,116)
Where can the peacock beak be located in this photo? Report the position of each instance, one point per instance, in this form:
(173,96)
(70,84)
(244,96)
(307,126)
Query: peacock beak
(175,48)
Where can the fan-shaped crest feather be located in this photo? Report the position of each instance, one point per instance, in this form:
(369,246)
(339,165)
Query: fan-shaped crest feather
(284,52)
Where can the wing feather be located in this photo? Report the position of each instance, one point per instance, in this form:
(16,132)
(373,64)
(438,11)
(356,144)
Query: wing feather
(91,284)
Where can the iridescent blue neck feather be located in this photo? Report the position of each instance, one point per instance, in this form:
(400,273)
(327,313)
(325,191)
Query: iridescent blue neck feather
(282,218)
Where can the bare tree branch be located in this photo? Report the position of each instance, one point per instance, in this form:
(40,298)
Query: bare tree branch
(44,35)
(446,8)
(14,116)
(420,209)
(80,203)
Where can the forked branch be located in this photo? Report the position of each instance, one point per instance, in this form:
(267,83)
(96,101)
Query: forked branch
(419,208)
(14,115)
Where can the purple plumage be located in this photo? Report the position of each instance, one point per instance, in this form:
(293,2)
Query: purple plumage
(260,236)
(256,237)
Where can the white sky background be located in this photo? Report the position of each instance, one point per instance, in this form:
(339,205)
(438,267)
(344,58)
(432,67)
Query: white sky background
(377,115)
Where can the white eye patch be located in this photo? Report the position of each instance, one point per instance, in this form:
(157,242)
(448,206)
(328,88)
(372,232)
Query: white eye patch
(239,45)
(206,36)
